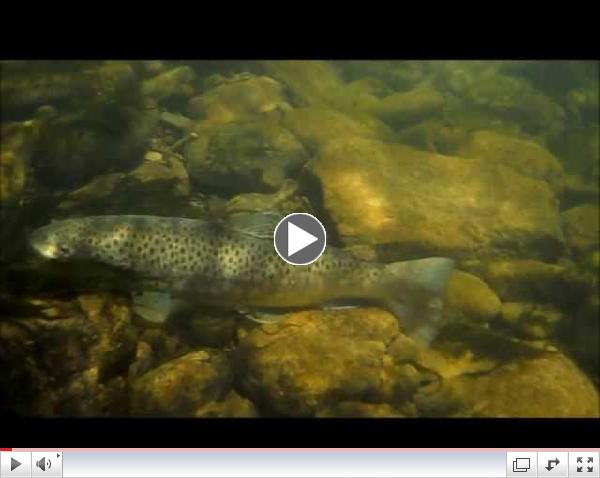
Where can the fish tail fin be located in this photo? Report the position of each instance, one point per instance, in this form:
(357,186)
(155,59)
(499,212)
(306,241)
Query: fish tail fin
(415,294)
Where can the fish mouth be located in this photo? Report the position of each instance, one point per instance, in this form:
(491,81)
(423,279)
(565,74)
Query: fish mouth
(39,243)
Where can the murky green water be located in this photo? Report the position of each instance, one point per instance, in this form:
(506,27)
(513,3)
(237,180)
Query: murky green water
(494,165)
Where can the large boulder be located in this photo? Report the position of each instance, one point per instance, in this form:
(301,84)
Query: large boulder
(531,280)
(409,202)
(183,385)
(251,156)
(62,84)
(168,84)
(79,365)
(400,109)
(526,157)
(546,386)
(514,99)
(154,187)
(315,126)
(311,83)
(237,99)
(472,296)
(314,359)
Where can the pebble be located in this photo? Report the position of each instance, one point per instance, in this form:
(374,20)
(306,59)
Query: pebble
(153,156)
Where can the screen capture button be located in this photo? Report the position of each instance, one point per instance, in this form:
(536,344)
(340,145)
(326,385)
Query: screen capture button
(521,463)
(16,463)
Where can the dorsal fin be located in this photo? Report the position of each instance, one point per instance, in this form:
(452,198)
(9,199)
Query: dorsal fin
(260,225)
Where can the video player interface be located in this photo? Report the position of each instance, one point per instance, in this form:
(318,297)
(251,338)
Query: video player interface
(187,238)
(297,463)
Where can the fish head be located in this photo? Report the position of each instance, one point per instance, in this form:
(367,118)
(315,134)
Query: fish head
(58,240)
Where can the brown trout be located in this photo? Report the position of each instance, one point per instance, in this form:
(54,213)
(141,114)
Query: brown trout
(232,264)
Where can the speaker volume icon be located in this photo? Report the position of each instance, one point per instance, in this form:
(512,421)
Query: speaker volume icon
(43,463)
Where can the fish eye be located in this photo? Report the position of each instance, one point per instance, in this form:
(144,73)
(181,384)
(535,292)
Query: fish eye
(64,250)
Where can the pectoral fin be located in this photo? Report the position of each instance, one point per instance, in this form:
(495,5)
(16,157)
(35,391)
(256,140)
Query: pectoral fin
(154,307)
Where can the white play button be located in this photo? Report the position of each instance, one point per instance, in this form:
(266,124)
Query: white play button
(298,239)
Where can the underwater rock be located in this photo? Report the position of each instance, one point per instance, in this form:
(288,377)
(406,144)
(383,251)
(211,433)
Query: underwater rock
(526,157)
(153,188)
(579,150)
(144,360)
(75,147)
(174,82)
(456,76)
(18,140)
(547,386)
(285,200)
(315,126)
(582,336)
(24,91)
(311,83)
(14,160)
(164,346)
(83,349)
(232,406)
(314,359)
(183,385)
(578,190)
(435,135)
(584,102)
(116,347)
(177,121)
(233,158)
(516,100)
(415,203)
(21,374)
(412,106)
(86,396)
(472,296)
(415,376)
(535,281)
(396,75)
(239,100)
(203,328)
(533,320)
(581,226)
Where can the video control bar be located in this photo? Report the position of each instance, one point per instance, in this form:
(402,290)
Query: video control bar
(298,463)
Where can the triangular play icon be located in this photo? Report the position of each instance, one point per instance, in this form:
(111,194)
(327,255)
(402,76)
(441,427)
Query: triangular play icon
(14,464)
(298,239)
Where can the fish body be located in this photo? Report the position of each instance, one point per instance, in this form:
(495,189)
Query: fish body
(235,265)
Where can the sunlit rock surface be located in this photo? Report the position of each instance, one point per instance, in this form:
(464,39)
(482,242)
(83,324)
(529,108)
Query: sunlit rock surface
(550,386)
(410,201)
(312,360)
(183,385)
(315,126)
(526,157)
(237,100)
(472,296)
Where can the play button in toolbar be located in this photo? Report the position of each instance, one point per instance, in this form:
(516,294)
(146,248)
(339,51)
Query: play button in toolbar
(300,239)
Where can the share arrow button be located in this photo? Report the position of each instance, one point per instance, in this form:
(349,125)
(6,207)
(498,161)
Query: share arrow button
(553,464)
